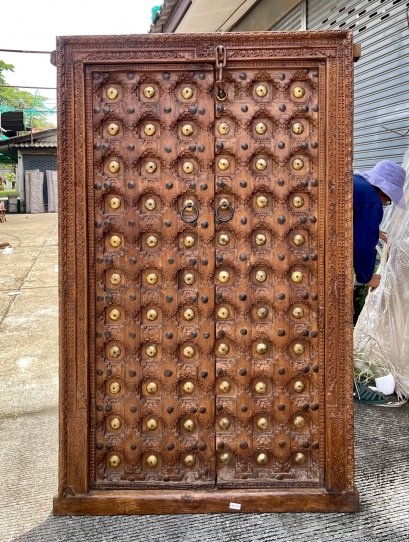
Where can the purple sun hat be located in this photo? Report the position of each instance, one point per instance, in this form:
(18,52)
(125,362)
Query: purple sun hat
(389,177)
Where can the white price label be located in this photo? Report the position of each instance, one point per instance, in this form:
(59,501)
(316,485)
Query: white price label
(234,506)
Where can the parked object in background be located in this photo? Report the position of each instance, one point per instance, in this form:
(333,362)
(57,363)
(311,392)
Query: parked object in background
(12,204)
(381,335)
(52,187)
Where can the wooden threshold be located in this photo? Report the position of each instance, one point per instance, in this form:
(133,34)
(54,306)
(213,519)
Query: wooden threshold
(206,501)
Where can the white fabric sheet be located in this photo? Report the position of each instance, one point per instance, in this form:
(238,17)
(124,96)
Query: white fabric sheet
(36,197)
(381,335)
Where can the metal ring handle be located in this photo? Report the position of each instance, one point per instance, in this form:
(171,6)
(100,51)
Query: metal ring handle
(224,206)
(195,217)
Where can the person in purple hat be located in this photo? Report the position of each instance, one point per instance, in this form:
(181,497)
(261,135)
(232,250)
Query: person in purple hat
(372,190)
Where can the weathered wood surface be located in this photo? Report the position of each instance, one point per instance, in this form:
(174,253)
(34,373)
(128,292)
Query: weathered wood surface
(215,351)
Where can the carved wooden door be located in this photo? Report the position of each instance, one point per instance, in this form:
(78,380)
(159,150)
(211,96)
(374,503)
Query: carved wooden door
(154,217)
(266,276)
(207,284)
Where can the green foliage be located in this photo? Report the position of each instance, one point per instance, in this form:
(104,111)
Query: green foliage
(4,67)
(14,98)
(5,193)
(10,177)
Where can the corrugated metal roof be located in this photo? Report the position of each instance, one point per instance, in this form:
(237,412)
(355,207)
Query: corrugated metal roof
(43,139)
(41,143)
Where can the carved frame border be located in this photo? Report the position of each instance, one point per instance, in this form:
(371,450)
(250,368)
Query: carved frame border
(73,54)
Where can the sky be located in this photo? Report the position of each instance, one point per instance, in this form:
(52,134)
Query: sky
(35,25)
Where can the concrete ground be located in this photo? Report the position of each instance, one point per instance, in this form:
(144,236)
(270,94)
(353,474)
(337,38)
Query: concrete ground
(28,434)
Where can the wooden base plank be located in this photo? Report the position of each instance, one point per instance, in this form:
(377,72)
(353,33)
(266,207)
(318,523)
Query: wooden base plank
(205,502)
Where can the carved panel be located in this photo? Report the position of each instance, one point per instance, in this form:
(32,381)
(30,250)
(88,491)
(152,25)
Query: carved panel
(267,358)
(153,238)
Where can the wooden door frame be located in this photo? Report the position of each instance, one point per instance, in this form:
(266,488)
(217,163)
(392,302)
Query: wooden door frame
(334,50)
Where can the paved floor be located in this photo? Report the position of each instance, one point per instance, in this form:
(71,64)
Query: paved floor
(28,434)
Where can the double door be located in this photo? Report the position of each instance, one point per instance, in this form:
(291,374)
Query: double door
(207,329)
(205,253)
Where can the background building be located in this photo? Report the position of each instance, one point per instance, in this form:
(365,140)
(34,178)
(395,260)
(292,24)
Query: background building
(381,123)
(36,151)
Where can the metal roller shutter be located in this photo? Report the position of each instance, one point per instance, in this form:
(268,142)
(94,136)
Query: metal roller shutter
(381,75)
(294,20)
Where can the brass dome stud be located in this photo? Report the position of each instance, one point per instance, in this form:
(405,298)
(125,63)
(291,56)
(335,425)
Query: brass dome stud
(299,386)
(151,351)
(151,241)
(223,128)
(298,92)
(296,276)
(261,128)
(188,314)
(115,423)
(189,425)
(224,386)
(260,388)
(187,93)
(112,93)
(297,164)
(261,276)
(152,424)
(152,461)
(150,204)
(189,241)
(114,461)
(115,203)
(149,129)
(298,202)
(299,239)
(224,423)
(151,387)
(112,128)
(115,241)
(114,388)
(261,91)
(261,201)
(262,459)
(224,458)
(115,352)
(188,387)
(223,349)
(114,314)
(114,166)
(152,315)
(190,460)
(297,128)
(261,164)
(299,422)
(115,279)
(300,458)
(224,276)
(223,164)
(262,423)
(149,92)
(150,167)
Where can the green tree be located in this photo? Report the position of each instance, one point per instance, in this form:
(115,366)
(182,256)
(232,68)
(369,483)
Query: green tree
(14,98)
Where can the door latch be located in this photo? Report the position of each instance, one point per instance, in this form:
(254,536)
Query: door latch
(221,58)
